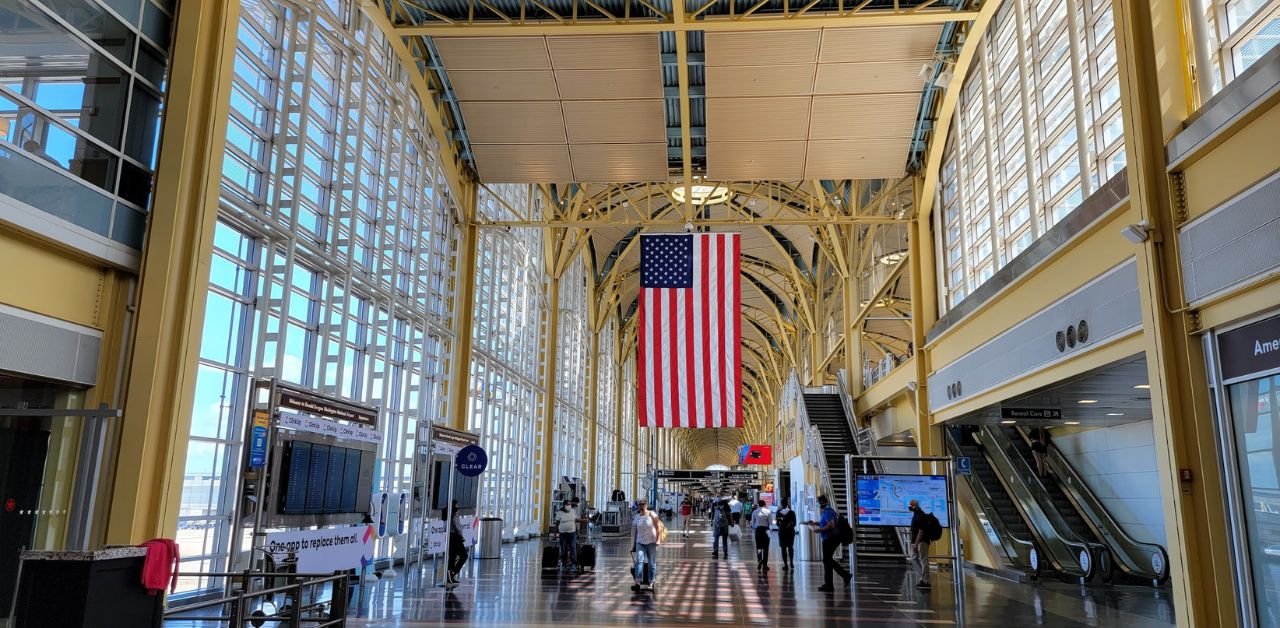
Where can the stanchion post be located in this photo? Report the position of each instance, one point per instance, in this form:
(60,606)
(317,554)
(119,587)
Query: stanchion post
(850,507)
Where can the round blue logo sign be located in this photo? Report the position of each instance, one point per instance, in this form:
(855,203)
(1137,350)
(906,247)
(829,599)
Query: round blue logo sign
(471,461)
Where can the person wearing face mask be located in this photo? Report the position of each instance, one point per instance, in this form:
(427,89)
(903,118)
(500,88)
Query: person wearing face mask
(567,519)
(920,542)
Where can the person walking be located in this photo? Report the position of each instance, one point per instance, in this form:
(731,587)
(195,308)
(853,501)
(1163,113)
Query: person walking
(686,511)
(830,535)
(786,518)
(735,510)
(646,530)
(922,524)
(720,530)
(1040,449)
(761,520)
(457,548)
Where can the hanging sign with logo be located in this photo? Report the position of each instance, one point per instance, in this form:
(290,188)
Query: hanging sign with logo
(258,439)
(471,460)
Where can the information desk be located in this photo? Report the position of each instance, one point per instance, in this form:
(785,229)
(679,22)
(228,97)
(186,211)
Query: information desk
(74,589)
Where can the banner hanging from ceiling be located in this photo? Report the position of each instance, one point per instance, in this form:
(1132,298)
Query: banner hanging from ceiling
(689,359)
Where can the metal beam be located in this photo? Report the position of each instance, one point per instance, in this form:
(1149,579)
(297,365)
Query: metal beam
(683,23)
(682,69)
(667,221)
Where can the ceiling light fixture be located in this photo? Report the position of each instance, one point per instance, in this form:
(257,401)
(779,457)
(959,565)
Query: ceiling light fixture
(701,194)
(1115,414)
(1088,401)
(1071,423)
(1143,386)
(1008,422)
(889,259)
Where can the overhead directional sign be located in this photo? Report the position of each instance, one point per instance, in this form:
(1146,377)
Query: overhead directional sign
(694,474)
(1030,413)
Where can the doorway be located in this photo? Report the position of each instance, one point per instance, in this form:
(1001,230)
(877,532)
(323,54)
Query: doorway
(24,447)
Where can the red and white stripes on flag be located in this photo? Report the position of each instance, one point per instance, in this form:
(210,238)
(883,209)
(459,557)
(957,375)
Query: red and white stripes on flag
(690,338)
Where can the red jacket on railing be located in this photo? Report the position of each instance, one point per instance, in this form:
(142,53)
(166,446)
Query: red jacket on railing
(160,569)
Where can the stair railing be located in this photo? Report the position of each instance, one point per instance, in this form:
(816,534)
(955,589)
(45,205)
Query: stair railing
(865,440)
(812,438)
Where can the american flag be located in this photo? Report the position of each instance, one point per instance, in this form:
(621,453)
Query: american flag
(690,356)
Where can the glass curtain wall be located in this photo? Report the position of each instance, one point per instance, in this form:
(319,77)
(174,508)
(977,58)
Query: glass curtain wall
(569,454)
(1240,32)
(628,423)
(606,462)
(81,92)
(1037,130)
(333,252)
(505,399)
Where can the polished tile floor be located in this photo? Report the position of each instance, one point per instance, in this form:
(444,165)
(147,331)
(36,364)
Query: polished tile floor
(695,590)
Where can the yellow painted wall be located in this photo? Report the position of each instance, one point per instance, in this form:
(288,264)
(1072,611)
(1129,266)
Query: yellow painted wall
(886,389)
(42,279)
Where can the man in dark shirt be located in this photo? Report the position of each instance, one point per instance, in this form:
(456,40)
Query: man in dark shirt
(1040,449)
(919,543)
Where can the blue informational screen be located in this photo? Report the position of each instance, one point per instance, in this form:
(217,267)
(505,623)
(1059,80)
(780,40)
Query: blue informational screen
(333,484)
(299,465)
(316,479)
(883,499)
(350,481)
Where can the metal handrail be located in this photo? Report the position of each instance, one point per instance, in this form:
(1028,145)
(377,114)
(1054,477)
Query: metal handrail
(296,617)
(1124,548)
(865,435)
(1017,549)
(813,440)
(1043,519)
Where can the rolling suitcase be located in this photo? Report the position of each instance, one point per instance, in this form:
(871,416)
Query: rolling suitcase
(587,556)
(550,557)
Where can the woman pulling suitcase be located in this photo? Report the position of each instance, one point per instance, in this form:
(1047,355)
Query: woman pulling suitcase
(647,533)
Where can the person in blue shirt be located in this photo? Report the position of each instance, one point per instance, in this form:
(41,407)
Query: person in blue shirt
(826,525)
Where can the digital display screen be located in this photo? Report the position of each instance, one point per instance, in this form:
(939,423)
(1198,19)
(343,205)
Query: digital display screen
(350,481)
(316,480)
(297,467)
(883,499)
(320,479)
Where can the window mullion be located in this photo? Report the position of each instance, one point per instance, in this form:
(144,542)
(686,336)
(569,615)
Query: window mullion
(994,200)
(1079,73)
(1034,202)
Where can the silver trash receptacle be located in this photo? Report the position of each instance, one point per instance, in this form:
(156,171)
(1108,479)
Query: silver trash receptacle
(489,543)
(810,544)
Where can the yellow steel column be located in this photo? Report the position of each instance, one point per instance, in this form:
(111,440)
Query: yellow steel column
(175,276)
(852,303)
(816,354)
(550,368)
(1151,62)
(920,248)
(619,364)
(464,300)
(593,414)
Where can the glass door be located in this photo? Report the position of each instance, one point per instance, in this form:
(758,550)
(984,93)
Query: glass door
(1253,405)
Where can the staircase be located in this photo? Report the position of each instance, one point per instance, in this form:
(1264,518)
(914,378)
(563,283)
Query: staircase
(826,413)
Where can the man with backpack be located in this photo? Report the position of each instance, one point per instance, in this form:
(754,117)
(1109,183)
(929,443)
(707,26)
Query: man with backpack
(925,529)
(832,537)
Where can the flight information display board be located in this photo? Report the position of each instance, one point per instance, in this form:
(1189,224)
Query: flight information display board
(883,499)
(320,479)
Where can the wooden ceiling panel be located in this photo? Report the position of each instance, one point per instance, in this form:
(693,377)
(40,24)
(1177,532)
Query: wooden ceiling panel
(762,48)
(609,84)
(785,80)
(615,121)
(754,161)
(523,163)
(863,116)
(504,84)
(605,52)
(753,119)
(857,159)
(493,53)
(514,122)
(619,162)
(878,43)
(868,78)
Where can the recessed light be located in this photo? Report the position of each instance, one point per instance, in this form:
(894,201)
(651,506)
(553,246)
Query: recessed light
(1143,386)
(1008,422)
(1115,414)
(1071,423)
(1088,401)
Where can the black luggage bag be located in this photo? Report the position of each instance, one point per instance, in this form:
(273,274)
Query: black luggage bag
(587,556)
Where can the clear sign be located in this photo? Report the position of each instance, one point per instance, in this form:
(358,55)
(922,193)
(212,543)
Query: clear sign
(471,460)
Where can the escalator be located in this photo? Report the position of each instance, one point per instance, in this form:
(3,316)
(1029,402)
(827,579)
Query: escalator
(826,413)
(1087,515)
(1023,516)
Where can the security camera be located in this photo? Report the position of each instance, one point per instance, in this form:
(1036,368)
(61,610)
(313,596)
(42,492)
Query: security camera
(1137,233)
(912,386)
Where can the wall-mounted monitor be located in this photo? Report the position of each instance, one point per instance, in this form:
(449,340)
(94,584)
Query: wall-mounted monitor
(466,490)
(883,499)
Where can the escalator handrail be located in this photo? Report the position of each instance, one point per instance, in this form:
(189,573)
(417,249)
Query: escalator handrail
(1124,548)
(986,504)
(1044,522)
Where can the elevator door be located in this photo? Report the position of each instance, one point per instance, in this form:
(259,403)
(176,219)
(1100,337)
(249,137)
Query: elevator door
(22,457)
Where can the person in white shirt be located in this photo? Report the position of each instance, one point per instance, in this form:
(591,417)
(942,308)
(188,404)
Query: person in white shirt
(567,519)
(761,519)
(645,529)
(735,511)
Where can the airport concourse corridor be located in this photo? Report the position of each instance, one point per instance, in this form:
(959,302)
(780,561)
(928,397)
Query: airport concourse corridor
(694,590)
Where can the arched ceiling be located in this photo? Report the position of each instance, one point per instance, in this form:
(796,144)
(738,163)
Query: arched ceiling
(808,113)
